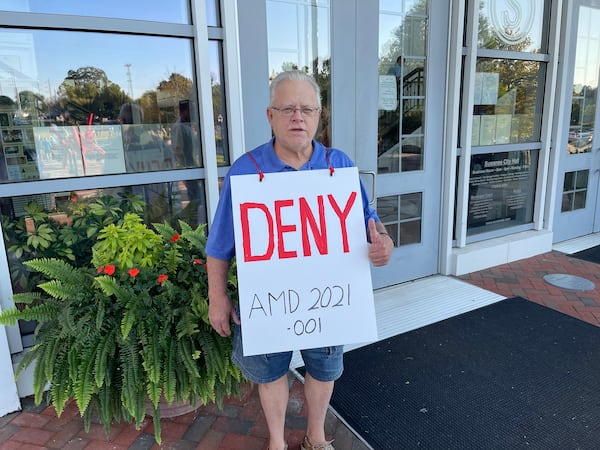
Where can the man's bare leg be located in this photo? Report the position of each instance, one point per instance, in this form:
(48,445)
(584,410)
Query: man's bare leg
(317,394)
(274,399)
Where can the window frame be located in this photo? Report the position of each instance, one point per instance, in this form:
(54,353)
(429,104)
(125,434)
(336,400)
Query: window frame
(200,34)
(470,53)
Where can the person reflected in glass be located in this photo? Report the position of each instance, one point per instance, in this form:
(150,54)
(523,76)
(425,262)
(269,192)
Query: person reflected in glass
(144,152)
(144,149)
(293,113)
(396,69)
(185,142)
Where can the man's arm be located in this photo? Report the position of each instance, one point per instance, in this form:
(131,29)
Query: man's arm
(220,306)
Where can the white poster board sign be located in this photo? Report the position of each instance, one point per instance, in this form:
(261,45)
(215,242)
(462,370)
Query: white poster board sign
(304,277)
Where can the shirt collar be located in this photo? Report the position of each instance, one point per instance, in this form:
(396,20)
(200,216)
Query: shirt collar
(278,165)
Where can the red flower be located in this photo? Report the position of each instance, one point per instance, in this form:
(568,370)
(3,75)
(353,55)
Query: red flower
(100,269)
(133,272)
(109,270)
(175,237)
(162,278)
(199,261)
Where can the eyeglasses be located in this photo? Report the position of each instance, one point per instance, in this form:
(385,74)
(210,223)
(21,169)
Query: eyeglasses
(305,111)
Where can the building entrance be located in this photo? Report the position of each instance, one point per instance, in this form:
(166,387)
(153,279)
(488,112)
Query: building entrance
(403,155)
(577,211)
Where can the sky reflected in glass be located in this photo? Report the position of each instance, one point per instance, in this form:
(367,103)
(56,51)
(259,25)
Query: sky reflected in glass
(174,11)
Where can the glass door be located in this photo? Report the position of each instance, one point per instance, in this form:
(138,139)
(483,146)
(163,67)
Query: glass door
(577,212)
(406,156)
(383,101)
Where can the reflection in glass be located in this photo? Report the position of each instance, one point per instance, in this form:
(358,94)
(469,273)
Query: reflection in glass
(569,182)
(501,188)
(213,13)
(402,216)
(403,29)
(388,211)
(215,49)
(144,149)
(185,140)
(298,35)
(65,225)
(411,213)
(507,101)
(159,202)
(514,26)
(585,82)
(177,11)
(62,117)
(575,187)
(410,6)
(581,179)
(415,33)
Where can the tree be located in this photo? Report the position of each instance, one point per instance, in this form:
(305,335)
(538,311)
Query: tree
(177,85)
(149,105)
(88,90)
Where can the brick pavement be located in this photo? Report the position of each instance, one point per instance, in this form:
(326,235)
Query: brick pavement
(525,278)
(241,424)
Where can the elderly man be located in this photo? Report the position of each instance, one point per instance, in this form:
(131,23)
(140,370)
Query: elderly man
(293,113)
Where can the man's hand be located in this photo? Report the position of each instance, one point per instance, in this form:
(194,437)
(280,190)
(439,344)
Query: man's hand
(220,314)
(220,307)
(381,246)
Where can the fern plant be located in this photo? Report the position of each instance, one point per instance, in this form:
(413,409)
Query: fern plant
(128,329)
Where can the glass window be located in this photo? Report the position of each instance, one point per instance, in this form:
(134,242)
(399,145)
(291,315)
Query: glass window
(176,11)
(219,104)
(299,38)
(508,87)
(213,14)
(158,202)
(585,82)
(402,61)
(402,216)
(507,102)
(120,104)
(512,25)
(575,187)
(62,224)
(501,190)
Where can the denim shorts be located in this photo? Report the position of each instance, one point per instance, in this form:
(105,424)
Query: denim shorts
(323,364)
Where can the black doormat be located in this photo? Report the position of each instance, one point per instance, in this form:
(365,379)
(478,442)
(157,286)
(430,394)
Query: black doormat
(510,375)
(590,254)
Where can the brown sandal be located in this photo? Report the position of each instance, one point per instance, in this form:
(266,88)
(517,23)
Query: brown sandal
(307,445)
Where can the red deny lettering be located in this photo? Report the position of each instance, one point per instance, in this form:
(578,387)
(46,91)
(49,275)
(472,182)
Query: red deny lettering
(248,256)
(281,228)
(308,225)
(307,220)
(342,215)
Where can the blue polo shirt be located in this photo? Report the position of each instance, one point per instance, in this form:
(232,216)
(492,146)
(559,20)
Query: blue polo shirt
(221,240)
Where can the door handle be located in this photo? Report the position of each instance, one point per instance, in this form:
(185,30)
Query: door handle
(373,176)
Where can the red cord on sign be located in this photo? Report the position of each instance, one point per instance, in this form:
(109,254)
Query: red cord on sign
(261,175)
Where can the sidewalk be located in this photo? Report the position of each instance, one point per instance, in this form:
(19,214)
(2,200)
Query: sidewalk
(241,424)
(525,279)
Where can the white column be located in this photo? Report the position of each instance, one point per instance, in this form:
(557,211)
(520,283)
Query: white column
(9,397)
